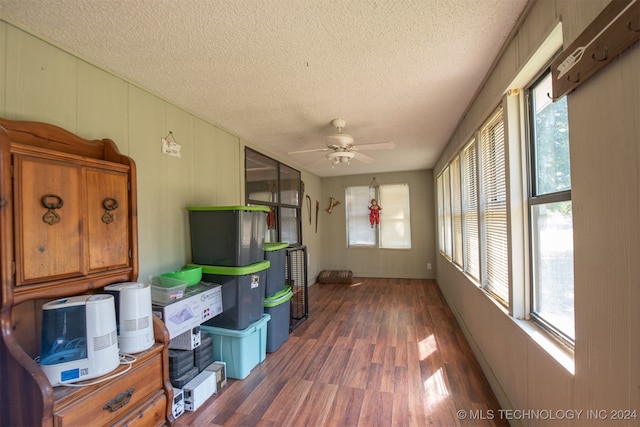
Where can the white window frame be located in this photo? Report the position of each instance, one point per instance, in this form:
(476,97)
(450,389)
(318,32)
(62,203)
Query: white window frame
(536,199)
(394,230)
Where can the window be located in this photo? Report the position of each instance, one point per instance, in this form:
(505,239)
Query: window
(273,184)
(394,229)
(550,213)
(456,210)
(493,209)
(471,237)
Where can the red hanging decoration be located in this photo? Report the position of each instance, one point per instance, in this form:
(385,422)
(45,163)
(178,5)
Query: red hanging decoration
(374,213)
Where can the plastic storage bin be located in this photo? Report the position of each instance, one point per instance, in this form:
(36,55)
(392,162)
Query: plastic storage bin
(166,289)
(242,293)
(276,254)
(192,275)
(279,308)
(231,236)
(240,350)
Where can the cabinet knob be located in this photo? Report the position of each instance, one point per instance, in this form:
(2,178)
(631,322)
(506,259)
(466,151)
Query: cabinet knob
(109,204)
(51,202)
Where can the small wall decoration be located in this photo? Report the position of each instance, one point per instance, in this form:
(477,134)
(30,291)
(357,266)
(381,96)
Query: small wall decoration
(374,213)
(332,204)
(169,146)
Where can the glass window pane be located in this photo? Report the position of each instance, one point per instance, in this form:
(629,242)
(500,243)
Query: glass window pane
(359,230)
(289,186)
(551,141)
(289,220)
(552,259)
(395,221)
(261,177)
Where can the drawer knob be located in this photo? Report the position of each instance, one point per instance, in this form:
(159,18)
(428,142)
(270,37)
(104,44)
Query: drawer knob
(119,401)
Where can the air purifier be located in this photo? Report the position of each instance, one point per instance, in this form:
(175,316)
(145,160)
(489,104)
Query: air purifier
(133,316)
(79,339)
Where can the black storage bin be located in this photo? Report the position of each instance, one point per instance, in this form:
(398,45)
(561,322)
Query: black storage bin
(279,308)
(231,236)
(276,254)
(242,293)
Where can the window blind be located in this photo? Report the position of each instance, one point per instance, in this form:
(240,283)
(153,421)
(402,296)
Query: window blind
(359,231)
(395,220)
(446,193)
(494,208)
(471,246)
(439,184)
(456,210)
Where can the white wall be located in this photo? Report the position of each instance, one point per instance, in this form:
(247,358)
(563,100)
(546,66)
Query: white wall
(42,82)
(370,262)
(604,127)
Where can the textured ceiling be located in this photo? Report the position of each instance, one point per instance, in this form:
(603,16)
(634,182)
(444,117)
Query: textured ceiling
(276,72)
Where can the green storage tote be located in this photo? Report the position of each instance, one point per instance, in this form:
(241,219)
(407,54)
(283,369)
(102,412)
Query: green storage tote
(240,350)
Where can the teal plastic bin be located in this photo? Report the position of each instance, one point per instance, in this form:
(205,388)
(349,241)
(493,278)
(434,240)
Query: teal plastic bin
(240,350)
(276,254)
(279,308)
(242,293)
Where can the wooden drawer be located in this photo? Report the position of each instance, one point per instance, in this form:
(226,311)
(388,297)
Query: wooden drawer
(150,413)
(124,394)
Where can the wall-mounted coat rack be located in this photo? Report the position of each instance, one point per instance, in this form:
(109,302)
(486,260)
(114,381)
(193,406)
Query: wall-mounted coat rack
(616,28)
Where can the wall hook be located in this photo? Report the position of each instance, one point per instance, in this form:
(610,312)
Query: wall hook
(632,29)
(576,80)
(605,55)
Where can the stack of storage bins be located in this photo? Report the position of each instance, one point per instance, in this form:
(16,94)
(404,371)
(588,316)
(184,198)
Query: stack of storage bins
(227,242)
(277,298)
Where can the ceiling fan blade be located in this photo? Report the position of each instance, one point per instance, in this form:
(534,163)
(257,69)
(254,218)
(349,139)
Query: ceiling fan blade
(315,150)
(363,157)
(375,146)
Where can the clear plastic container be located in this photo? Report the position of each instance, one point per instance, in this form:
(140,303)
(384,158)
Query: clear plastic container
(166,289)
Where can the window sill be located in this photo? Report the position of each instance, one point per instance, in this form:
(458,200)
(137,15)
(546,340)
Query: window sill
(562,354)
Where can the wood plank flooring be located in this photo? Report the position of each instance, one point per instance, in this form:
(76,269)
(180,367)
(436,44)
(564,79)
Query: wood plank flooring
(381,352)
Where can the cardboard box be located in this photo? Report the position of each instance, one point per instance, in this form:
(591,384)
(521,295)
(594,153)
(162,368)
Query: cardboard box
(200,303)
(219,369)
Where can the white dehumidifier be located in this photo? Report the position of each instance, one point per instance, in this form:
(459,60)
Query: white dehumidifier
(133,316)
(79,338)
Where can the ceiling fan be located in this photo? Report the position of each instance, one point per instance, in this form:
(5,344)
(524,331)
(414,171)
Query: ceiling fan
(342,149)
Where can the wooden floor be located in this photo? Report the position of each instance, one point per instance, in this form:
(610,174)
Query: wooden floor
(381,352)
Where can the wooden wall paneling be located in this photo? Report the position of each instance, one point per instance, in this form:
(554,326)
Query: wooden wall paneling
(606,232)
(147,113)
(102,100)
(534,30)
(40,81)
(229,164)
(205,170)
(178,182)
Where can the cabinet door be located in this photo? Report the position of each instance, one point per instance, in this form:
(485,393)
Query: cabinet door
(107,219)
(48,200)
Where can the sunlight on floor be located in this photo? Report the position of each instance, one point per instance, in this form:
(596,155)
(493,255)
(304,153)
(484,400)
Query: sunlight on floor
(436,388)
(427,346)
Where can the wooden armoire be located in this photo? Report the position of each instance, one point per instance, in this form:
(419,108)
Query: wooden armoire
(68,226)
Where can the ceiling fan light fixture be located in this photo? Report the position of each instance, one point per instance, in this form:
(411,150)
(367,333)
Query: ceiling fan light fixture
(340,157)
